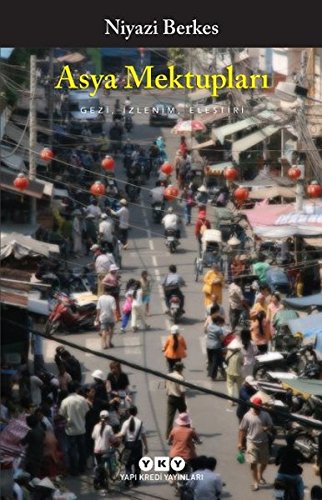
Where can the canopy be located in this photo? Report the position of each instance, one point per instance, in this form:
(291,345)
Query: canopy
(276,232)
(272,192)
(251,140)
(218,168)
(303,303)
(311,327)
(74,57)
(309,220)
(205,144)
(265,180)
(25,246)
(305,386)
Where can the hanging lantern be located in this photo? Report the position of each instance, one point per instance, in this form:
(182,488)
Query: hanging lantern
(241,194)
(108,163)
(171,193)
(47,154)
(294,173)
(98,188)
(21,182)
(167,168)
(314,190)
(230,174)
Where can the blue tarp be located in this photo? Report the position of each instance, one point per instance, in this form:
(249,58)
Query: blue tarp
(304,302)
(311,327)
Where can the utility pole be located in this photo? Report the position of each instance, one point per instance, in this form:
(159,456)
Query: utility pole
(32,133)
(301,112)
(51,96)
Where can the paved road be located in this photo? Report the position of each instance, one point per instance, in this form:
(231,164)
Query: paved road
(212,417)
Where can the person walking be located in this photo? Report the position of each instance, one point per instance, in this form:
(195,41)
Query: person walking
(176,400)
(234,359)
(77,233)
(74,409)
(127,310)
(215,336)
(102,264)
(175,347)
(202,223)
(103,437)
(137,314)
(146,285)
(247,390)
(136,442)
(123,216)
(112,283)
(249,351)
(213,283)
(288,458)
(237,303)
(254,427)
(260,331)
(183,438)
(106,316)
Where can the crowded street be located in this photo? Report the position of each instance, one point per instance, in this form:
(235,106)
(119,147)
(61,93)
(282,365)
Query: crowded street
(131,259)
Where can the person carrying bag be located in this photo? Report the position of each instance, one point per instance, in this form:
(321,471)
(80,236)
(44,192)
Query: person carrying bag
(134,435)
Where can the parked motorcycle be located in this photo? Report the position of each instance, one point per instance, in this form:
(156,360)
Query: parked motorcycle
(296,361)
(171,240)
(68,315)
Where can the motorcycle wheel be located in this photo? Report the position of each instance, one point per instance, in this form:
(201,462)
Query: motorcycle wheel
(51,327)
(172,247)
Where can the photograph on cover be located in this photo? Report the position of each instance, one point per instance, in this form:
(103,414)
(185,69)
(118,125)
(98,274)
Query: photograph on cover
(161,272)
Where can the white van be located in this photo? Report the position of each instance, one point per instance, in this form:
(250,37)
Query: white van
(84,109)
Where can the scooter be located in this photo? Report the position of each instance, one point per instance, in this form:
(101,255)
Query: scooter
(175,309)
(68,315)
(171,240)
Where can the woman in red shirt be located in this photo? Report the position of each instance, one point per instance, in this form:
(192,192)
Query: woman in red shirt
(183,439)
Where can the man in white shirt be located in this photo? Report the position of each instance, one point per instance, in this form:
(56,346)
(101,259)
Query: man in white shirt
(123,215)
(103,262)
(106,317)
(94,209)
(157,194)
(74,409)
(171,221)
(176,395)
(237,302)
(105,231)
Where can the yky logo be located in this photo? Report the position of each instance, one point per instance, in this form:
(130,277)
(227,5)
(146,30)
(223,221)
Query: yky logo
(162,464)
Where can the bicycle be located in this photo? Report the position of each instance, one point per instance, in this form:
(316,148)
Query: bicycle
(109,469)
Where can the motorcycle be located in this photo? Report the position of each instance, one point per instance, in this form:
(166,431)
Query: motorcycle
(175,309)
(171,239)
(157,213)
(68,315)
(295,361)
(132,190)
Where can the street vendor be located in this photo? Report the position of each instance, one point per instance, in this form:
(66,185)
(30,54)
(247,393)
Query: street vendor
(213,283)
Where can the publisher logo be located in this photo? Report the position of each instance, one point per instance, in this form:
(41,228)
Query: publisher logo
(162,464)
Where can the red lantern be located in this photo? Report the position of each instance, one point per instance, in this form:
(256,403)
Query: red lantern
(230,174)
(314,190)
(241,194)
(47,154)
(98,188)
(21,182)
(171,193)
(108,163)
(294,173)
(167,168)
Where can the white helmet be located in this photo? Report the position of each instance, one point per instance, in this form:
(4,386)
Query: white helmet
(98,374)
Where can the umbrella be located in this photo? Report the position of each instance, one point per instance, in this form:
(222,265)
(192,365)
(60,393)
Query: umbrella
(188,127)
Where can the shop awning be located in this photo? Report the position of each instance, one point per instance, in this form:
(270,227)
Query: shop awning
(272,192)
(305,386)
(251,140)
(302,303)
(12,160)
(276,232)
(231,128)
(17,136)
(211,117)
(36,189)
(21,246)
(205,144)
(218,168)
(21,122)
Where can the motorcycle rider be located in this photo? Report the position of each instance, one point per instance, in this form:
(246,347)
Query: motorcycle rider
(171,286)
(157,195)
(288,458)
(171,221)
(105,232)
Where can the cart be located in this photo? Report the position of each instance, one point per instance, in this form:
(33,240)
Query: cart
(211,249)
